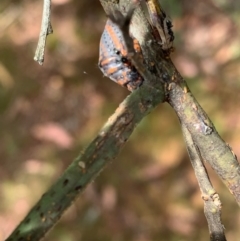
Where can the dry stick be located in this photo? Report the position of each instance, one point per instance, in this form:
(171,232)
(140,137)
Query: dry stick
(211,146)
(46,29)
(212,203)
(103,149)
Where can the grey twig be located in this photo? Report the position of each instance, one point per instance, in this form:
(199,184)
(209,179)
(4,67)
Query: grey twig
(212,203)
(46,29)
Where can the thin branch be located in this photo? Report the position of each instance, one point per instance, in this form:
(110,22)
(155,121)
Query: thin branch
(212,203)
(46,29)
(103,149)
(211,146)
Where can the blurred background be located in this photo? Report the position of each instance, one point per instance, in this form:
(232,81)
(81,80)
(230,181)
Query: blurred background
(50,113)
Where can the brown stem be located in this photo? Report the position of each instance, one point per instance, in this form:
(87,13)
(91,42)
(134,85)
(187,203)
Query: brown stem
(212,203)
(211,146)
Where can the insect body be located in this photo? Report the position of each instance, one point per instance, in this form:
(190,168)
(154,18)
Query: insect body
(113,60)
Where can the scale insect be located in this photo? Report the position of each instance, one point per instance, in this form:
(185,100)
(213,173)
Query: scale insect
(113,60)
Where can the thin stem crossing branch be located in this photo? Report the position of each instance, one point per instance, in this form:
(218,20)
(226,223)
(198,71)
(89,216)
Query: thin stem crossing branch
(212,203)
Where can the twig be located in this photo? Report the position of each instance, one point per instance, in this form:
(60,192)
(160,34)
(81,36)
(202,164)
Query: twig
(103,149)
(46,29)
(124,24)
(211,146)
(163,24)
(212,203)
